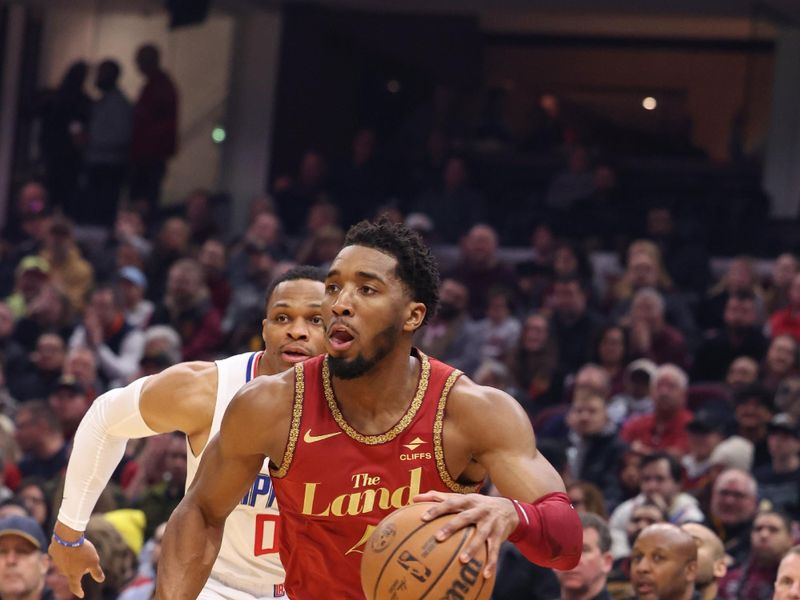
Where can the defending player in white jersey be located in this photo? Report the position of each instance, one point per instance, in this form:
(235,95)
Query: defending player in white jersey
(192,397)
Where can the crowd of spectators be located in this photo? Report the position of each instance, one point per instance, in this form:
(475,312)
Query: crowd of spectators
(662,390)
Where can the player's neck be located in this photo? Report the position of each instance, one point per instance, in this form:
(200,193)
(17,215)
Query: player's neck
(387,389)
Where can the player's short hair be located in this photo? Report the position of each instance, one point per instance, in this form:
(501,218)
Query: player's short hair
(592,521)
(416,267)
(293,274)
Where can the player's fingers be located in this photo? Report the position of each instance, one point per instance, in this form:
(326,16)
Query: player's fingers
(483,531)
(431,496)
(75,586)
(447,504)
(492,553)
(97,574)
(461,520)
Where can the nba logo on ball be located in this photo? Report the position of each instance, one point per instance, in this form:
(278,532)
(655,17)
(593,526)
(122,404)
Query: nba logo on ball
(403,560)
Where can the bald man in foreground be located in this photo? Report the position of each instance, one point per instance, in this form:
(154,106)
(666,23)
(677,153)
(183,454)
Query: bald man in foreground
(711,567)
(664,564)
(787,583)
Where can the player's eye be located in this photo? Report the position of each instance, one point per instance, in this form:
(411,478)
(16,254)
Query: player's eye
(331,288)
(281,319)
(316,320)
(366,290)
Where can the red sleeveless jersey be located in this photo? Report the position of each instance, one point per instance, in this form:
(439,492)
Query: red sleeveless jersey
(335,484)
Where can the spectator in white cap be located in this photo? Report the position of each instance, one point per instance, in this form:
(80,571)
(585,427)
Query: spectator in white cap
(23,561)
(132,284)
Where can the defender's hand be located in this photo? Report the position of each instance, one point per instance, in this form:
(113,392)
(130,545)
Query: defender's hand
(494,520)
(74,563)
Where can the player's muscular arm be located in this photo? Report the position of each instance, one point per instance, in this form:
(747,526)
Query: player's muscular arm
(180,398)
(496,437)
(256,423)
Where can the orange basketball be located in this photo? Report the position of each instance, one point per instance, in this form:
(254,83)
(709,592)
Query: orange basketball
(404,561)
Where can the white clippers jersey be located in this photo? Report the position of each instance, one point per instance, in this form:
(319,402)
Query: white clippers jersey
(248,559)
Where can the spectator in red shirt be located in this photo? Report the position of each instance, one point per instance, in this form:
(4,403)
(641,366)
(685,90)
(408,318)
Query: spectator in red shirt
(155,129)
(665,429)
(786,321)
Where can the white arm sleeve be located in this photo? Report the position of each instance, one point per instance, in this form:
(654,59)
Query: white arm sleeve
(99,445)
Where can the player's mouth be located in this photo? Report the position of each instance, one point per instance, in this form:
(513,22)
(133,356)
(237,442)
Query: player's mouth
(340,338)
(644,588)
(292,353)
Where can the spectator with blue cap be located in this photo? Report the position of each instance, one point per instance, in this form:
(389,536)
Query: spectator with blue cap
(23,560)
(132,285)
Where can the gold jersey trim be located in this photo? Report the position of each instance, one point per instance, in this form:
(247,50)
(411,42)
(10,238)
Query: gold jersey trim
(294,429)
(382,438)
(438,444)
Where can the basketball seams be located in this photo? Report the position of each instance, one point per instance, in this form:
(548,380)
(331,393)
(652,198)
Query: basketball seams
(448,563)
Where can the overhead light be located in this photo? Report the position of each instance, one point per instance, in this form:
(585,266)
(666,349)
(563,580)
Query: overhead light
(649,103)
(218,135)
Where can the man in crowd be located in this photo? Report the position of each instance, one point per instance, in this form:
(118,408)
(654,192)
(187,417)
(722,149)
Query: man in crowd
(711,567)
(23,562)
(664,564)
(734,501)
(587,581)
(780,480)
(38,434)
(787,583)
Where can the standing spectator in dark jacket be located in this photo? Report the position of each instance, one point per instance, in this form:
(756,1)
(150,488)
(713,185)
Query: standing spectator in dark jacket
(187,308)
(595,452)
(741,336)
(37,378)
(780,480)
(574,325)
(155,129)
(38,434)
(108,147)
(753,410)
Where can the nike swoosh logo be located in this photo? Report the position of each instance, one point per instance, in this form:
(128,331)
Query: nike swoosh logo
(310,439)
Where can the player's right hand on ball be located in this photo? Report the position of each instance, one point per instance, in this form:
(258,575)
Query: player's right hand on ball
(74,563)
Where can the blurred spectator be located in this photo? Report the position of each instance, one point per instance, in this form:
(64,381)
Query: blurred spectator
(263,235)
(199,212)
(162,349)
(360,180)
(38,377)
(587,497)
(534,364)
(740,336)
(569,259)
(665,428)
(734,501)
(321,247)
(160,499)
(171,245)
(116,343)
(33,494)
(651,337)
(31,217)
(776,294)
(636,399)
(246,309)
(787,398)
(705,433)
(294,197)
(81,364)
(574,325)
(12,354)
(132,285)
(453,204)
(587,581)
(68,269)
(23,560)
(69,402)
(154,136)
(644,514)
(500,330)
(664,564)
(40,440)
(742,372)
(611,353)
(779,481)
(213,259)
(451,335)
(31,275)
(481,269)
(595,452)
(753,411)
(770,540)
(126,245)
(786,321)
(739,279)
(787,582)
(117,554)
(780,361)
(107,149)
(535,276)
(711,567)
(65,115)
(573,183)
(143,586)
(660,476)
(48,312)
(186,307)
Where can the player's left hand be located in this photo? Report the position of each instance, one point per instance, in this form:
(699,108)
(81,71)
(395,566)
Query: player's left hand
(494,520)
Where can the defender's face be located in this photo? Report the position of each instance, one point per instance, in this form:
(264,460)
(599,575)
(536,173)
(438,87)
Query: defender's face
(293,329)
(366,306)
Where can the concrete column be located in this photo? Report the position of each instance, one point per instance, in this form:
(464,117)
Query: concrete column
(12,61)
(251,106)
(782,161)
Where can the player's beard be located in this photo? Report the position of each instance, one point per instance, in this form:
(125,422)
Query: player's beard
(344,368)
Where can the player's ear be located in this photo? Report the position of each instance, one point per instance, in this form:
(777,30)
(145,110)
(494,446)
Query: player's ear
(264,330)
(415,315)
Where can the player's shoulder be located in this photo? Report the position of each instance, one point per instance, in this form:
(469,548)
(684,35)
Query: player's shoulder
(473,401)
(267,394)
(192,377)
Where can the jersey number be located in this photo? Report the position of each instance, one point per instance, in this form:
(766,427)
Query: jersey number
(266,541)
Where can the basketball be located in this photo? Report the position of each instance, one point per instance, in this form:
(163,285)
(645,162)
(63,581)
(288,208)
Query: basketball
(404,561)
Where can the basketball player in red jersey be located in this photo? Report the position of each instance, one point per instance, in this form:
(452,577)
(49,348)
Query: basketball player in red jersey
(361,431)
